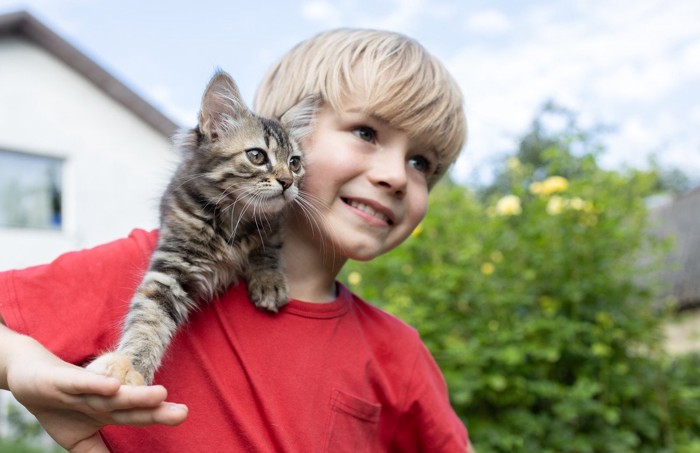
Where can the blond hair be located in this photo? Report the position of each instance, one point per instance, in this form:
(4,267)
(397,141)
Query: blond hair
(402,83)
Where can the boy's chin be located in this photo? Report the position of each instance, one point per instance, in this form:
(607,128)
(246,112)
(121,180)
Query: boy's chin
(367,254)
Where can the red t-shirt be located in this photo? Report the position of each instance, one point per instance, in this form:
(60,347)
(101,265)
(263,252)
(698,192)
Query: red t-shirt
(340,376)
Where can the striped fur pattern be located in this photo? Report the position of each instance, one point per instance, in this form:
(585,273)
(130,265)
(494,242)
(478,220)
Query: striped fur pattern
(220,221)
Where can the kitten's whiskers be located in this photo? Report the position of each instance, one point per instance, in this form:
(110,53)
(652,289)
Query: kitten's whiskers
(313,208)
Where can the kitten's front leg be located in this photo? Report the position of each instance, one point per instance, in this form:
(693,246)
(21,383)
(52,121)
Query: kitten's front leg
(158,307)
(267,285)
(117,365)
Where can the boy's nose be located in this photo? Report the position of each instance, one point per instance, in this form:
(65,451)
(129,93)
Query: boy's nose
(389,171)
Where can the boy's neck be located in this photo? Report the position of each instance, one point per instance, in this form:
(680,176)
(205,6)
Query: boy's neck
(310,274)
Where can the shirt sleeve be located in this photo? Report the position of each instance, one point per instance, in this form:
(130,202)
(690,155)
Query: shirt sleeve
(74,305)
(429,423)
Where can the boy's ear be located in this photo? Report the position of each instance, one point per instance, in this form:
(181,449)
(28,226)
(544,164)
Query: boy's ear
(222,106)
(299,119)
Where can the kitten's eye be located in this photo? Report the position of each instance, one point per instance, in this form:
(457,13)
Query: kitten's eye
(365,133)
(421,164)
(295,163)
(256,156)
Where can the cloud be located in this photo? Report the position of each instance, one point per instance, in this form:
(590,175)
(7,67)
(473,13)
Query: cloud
(489,21)
(403,15)
(626,63)
(321,11)
(398,15)
(690,58)
(162,97)
(637,82)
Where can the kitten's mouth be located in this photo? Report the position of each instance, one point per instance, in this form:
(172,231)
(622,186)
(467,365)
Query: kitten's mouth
(263,204)
(367,209)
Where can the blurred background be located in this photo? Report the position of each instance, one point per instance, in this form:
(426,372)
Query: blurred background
(557,276)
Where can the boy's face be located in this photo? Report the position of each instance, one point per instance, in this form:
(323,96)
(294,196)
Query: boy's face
(369,181)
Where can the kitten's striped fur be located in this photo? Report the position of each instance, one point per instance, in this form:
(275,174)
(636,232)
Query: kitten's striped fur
(220,221)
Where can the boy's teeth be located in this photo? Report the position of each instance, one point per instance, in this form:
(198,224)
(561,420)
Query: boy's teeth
(368,209)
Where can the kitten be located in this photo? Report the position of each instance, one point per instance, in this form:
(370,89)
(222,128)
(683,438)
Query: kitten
(220,221)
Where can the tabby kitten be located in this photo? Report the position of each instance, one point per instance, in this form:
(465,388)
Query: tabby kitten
(220,221)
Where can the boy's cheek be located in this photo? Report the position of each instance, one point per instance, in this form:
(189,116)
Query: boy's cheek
(421,208)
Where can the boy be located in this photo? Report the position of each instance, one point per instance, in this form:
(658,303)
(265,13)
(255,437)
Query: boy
(330,372)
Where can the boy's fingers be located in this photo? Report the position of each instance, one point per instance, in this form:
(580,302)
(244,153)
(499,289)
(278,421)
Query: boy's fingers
(167,413)
(78,381)
(128,397)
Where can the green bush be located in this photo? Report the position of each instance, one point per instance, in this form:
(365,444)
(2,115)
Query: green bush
(539,300)
(21,432)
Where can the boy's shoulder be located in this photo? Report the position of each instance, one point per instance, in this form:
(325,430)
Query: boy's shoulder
(383,324)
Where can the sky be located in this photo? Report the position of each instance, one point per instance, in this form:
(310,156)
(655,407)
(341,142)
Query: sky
(632,65)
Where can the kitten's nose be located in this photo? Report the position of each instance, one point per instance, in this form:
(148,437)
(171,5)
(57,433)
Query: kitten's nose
(285,183)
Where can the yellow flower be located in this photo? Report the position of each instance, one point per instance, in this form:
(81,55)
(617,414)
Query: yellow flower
(354,278)
(509,205)
(578,204)
(417,231)
(536,188)
(555,205)
(487,268)
(549,186)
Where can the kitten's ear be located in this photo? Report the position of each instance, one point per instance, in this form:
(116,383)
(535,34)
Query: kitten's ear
(299,120)
(222,106)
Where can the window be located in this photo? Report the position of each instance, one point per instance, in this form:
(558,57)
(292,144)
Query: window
(31,189)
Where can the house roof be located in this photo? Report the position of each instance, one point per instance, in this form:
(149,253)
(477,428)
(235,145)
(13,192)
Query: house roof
(680,219)
(24,25)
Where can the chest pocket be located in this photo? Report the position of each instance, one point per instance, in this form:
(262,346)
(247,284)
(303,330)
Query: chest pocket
(353,424)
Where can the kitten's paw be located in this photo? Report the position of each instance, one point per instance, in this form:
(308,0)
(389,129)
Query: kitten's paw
(119,366)
(268,294)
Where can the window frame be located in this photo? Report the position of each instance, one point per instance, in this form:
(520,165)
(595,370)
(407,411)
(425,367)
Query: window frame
(52,219)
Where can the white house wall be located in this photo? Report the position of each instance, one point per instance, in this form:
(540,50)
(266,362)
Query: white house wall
(115,167)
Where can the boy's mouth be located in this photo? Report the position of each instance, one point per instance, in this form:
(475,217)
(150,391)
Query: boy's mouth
(367,209)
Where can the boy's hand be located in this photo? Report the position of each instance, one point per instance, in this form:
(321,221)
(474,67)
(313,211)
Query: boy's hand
(72,404)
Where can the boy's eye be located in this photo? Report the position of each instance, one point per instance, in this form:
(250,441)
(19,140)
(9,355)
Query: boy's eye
(365,133)
(421,164)
(256,156)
